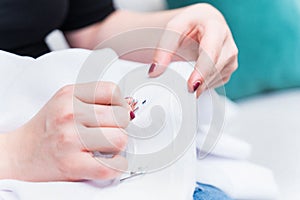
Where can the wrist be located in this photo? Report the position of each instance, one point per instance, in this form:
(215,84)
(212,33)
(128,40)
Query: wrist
(11,150)
(6,157)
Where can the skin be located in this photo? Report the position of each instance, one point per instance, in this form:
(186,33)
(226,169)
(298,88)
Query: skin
(56,144)
(54,138)
(216,54)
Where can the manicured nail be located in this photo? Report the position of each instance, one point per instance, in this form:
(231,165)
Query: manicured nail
(196,85)
(132,115)
(152,67)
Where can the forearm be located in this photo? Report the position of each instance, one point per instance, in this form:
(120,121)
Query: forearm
(198,32)
(118,22)
(5,157)
(122,21)
(14,147)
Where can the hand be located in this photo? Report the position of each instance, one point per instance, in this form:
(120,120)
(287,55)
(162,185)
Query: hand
(215,54)
(57,144)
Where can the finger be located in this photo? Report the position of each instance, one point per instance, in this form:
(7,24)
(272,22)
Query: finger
(226,64)
(216,80)
(91,115)
(204,86)
(105,93)
(132,103)
(104,140)
(219,79)
(224,75)
(167,46)
(230,67)
(96,168)
(163,54)
(210,48)
(199,78)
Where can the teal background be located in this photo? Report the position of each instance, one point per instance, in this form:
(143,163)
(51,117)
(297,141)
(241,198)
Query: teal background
(267,33)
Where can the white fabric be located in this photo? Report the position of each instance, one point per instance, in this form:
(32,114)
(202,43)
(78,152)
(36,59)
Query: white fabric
(40,79)
(141,6)
(27,84)
(240,179)
(227,146)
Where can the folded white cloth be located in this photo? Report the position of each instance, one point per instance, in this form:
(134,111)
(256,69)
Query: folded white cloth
(34,81)
(240,179)
(226,146)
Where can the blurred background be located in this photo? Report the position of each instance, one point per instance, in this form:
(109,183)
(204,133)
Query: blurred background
(266,86)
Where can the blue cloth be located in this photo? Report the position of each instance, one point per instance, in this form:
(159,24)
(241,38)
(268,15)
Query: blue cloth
(208,192)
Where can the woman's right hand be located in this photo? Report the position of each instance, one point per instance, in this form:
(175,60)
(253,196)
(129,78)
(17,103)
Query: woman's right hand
(58,143)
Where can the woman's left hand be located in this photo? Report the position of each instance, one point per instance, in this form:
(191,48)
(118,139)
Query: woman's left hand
(215,53)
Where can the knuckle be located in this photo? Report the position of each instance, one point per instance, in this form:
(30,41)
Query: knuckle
(233,59)
(206,5)
(235,51)
(67,90)
(226,79)
(201,6)
(108,173)
(69,117)
(113,90)
(220,25)
(65,115)
(209,8)
(235,67)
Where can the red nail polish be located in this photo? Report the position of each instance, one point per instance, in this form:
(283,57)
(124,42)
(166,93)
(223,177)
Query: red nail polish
(132,115)
(152,67)
(196,85)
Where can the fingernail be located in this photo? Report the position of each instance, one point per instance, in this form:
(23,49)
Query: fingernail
(196,85)
(132,115)
(152,67)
